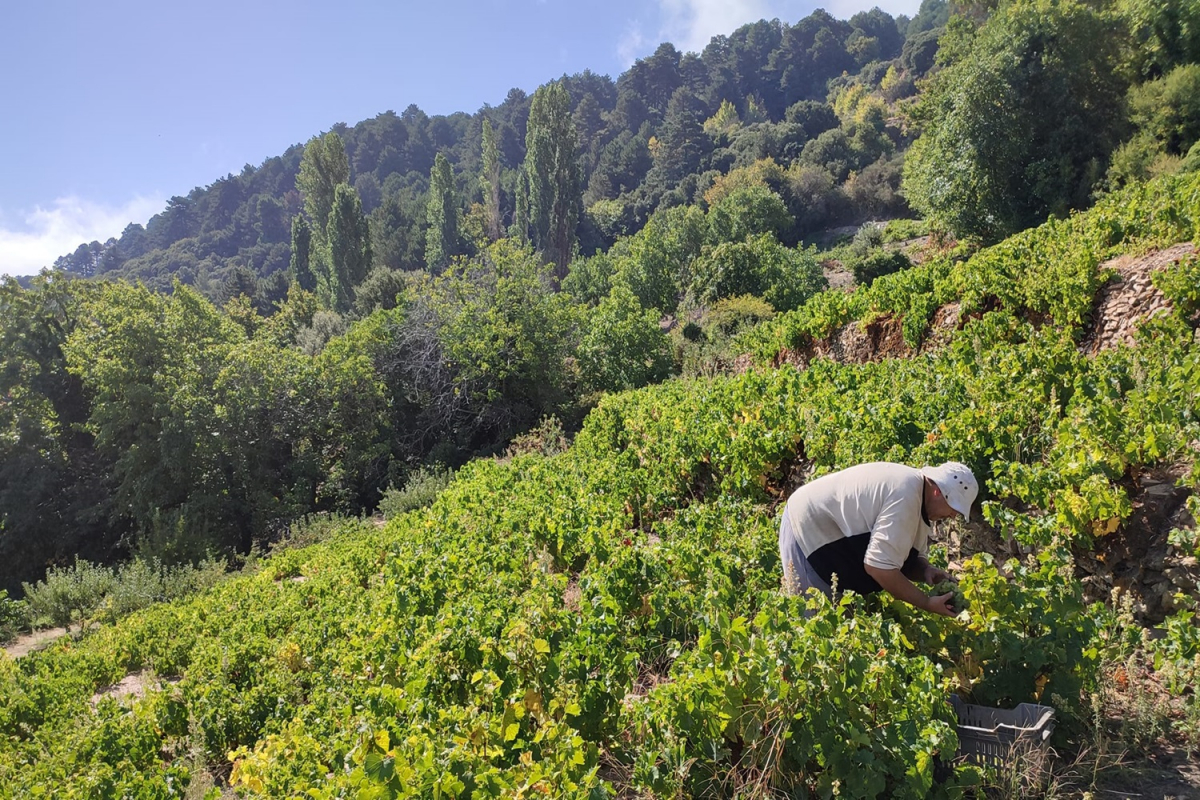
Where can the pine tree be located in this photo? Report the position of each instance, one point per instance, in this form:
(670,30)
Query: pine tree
(300,270)
(681,139)
(552,168)
(441,238)
(489,181)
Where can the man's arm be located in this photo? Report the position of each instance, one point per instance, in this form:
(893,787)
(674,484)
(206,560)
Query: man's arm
(897,585)
(916,568)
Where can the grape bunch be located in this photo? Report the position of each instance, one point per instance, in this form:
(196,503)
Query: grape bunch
(958,602)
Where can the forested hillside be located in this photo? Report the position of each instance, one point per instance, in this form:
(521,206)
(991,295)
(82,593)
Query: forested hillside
(654,137)
(577,348)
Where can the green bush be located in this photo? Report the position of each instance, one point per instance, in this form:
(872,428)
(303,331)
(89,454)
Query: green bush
(623,346)
(421,489)
(785,277)
(877,263)
(86,591)
(309,530)
(708,346)
(898,230)
(14,617)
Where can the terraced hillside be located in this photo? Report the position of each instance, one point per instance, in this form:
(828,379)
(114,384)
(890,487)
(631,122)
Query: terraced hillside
(607,621)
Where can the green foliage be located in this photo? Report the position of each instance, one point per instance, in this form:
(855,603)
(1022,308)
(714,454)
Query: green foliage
(53,482)
(15,617)
(768,705)
(784,277)
(419,491)
(622,346)
(552,170)
(622,594)
(898,230)
(1164,35)
(708,347)
(349,250)
(589,279)
(489,181)
(323,168)
(1166,119)
(1016,128)
(748,211)
(300,267)
(1168,109)
(91,592)
(441,215)
(653,262)
(1181,284)
(618,596)
(382,288)
(482,349)
(876,263)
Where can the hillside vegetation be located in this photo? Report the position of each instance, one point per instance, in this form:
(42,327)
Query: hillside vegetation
(578,349)
(607,620)
(411,293)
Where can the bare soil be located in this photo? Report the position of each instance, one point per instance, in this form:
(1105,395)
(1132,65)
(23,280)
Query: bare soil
(23,645)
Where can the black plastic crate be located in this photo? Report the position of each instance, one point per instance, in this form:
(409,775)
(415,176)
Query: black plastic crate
(990,736)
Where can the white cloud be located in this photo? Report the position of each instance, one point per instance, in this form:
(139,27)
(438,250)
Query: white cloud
(632,45)
(48,233)
(690,24)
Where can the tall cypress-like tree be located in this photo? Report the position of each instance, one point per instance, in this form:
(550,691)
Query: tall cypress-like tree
(489,181)
(349,245)
(552,167)
(322,167)
(300,269)
(441,238)
(520,226)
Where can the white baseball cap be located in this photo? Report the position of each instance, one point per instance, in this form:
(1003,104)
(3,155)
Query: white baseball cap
(957,483)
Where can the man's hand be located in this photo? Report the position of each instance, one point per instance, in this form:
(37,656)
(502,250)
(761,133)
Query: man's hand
(941,604)
(933,575)
(899,586)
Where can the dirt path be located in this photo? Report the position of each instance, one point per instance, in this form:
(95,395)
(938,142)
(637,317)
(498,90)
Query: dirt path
(23,645)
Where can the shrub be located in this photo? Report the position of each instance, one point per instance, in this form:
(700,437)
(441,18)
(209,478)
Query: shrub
(309,530)
(85,591)
(623,347)
(783,276)
(421,489)
(707,347)
(68,592)
(898,230)
(878,263)
(14,617)
(326,325)
(548,438)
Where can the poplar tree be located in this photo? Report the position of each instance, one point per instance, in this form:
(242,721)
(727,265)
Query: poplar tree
(520,226)
(300,270)
(441,238)
(489,181)
(349,246)
(322,167)
(552,168)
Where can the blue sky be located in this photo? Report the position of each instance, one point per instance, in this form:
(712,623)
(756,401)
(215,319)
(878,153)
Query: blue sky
(112,106)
